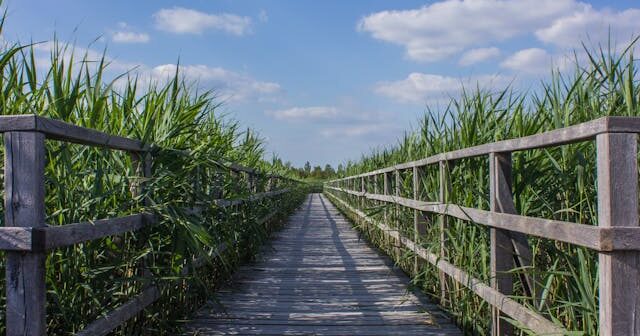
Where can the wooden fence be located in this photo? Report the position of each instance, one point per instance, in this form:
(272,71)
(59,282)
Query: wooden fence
(26,237)
(616,237)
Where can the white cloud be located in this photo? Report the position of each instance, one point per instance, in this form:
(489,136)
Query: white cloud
(306,113)
(531,61)
(474,56)
(422,88)
(129,37)
(188,21)
(445,28)
(347,119)
(536,61)
(355,131)
(230,85)
(78,54)
(591,24)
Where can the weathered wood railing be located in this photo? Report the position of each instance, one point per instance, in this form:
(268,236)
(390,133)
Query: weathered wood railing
(616,237)
(26,237)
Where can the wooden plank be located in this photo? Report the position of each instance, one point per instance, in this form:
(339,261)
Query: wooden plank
(522,253)
(20,239)
(265,330)
(593,237)
(443,197)
(535,322)
(619,272)
(312,278)
(18,123)
(386,189)
(24,207)
(65,235)
(419,221)
(59,130)
(252,198)
(576,133)
(396,222)
(501,250)
(118,316)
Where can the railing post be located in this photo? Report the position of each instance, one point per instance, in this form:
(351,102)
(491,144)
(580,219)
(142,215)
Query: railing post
(619,271)
(501,246)
(386,186)
(24,207)
(373,185)
(363,189)
(419,223)
(443,197)
(396,248)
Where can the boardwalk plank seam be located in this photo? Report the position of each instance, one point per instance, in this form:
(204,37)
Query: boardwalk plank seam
(319,276)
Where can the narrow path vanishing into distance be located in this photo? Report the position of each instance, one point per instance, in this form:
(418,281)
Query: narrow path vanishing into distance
(319,277)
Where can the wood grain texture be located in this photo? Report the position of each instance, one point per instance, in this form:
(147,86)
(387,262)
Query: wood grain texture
(419,221)
(618,207)
(65,235)
(318,277)
(19,239)
(593,237)
(116,317)
(531,320)
(59,130)
(443,197)
(223,203)
(576,133)
(501,251)
(24,207)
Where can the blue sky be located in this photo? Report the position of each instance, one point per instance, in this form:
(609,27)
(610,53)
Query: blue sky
(325,81)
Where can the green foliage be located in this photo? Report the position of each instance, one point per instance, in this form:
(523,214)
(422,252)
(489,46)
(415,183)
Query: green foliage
(191,143)
(555,183)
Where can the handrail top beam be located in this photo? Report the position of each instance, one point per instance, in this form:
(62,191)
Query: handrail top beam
(63,131)
(571,134)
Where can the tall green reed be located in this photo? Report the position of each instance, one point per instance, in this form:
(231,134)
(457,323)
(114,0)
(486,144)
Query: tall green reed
(192,143)
(556,183)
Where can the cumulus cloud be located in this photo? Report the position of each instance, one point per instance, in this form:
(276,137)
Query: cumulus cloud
(537,61)
(478,55)
(445,28)
(356,131)
(129,37)
(71,52)
(125,34)
(532,60)
(347,119)
(591,24)
(231,85)
(298,113)
(421,87)
(189,21)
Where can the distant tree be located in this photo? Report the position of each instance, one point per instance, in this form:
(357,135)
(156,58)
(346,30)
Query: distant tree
(317,172)
(328,171)
(307,168)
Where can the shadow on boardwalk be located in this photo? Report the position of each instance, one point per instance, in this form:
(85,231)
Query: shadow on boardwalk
(318,277)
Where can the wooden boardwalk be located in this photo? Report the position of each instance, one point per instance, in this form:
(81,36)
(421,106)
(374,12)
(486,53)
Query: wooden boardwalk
(319,277)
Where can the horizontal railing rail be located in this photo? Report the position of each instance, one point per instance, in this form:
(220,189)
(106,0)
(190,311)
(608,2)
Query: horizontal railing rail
(26,237)
(563,136)
(615,236)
